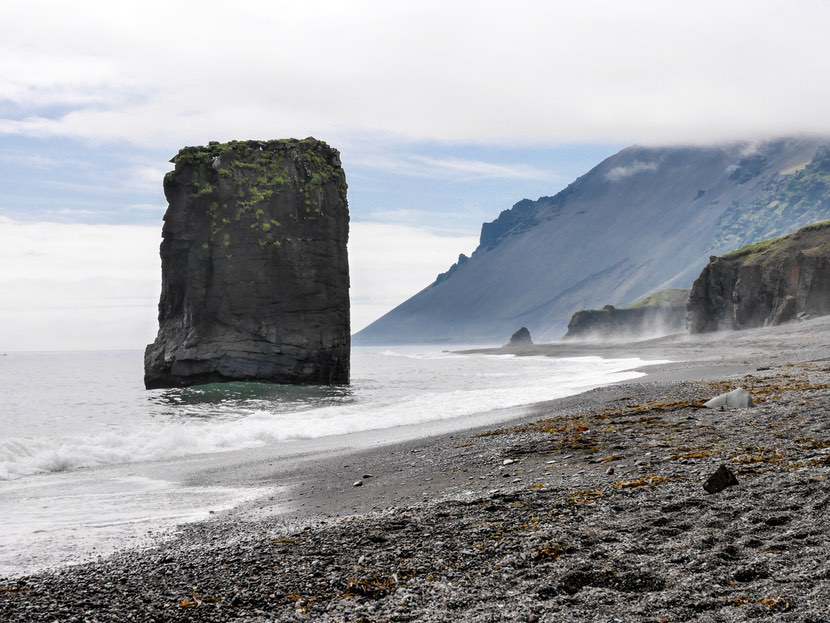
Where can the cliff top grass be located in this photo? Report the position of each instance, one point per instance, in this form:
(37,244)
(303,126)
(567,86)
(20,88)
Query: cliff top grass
(773,246)
(250,148)
(671,297)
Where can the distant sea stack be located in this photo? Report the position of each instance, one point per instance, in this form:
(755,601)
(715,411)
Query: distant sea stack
(661,313)
(766,283)
(255,273)
(520,338)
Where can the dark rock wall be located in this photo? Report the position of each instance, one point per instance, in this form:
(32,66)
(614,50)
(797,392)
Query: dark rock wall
(610,322)
(764,284)
(255,276)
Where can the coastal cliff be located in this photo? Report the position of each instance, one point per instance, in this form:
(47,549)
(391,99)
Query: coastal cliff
(659,314)
(255,276)
(766,283)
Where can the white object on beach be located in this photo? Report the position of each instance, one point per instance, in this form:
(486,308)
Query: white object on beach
(736,399)
(508,462)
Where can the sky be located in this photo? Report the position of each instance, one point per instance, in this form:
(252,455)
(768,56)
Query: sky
(445,114)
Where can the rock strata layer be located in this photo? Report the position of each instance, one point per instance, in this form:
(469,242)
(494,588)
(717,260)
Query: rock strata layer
(255,276)
(766,283)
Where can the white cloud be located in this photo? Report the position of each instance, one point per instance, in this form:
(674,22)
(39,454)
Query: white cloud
(146,177)
(169,73)
(34,161)
(389,263)
(451,168)
(158,208)
(71,286)
(617,173)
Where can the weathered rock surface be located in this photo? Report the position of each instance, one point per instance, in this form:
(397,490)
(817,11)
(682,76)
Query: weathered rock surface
(255,276)
(520,337)
(766,283)
(659,314)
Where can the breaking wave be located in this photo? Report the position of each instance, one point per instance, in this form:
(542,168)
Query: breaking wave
(471,385)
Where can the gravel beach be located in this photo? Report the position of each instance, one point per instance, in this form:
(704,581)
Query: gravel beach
(590,508)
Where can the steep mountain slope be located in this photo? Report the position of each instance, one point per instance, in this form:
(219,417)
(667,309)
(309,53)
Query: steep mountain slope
(642,220)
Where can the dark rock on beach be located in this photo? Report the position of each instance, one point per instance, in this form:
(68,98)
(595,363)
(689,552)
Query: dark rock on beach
(720,480)
(255,276)
(520,337)
(766,283)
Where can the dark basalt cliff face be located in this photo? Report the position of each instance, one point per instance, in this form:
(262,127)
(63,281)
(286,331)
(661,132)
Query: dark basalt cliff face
(255,275)
(766,283)
(613,323)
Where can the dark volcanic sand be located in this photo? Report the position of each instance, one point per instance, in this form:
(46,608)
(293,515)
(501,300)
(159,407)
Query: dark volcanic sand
(523,522)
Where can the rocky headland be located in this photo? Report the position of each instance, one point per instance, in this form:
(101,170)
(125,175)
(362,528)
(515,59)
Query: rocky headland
(255,275)
(766,283)
(662,313)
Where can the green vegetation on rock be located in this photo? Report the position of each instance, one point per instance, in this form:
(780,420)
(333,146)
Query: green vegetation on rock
(791,200)
(672,297)
(770,248)
(241,180)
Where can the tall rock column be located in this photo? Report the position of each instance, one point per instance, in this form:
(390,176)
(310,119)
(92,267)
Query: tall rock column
(255,274)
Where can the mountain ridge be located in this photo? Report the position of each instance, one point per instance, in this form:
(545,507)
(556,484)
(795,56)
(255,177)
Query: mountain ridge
(642,220)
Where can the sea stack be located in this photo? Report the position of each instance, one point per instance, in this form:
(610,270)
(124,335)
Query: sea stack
(520,338)
(255,273)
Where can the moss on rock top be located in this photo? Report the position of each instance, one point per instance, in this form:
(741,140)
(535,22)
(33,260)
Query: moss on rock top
(671,297)
(242,181)
(813,238)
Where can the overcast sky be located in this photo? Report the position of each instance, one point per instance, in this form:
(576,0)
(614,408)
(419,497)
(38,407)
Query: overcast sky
(445,112)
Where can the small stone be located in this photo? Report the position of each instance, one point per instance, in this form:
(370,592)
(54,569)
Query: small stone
(365,476)
(508,461)
(357,483)
(721,479)
(609,471)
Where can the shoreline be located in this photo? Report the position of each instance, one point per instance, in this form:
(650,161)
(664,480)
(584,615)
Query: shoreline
(533,494)
(199,486)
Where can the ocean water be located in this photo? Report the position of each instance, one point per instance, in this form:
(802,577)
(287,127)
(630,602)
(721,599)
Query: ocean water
(78,430)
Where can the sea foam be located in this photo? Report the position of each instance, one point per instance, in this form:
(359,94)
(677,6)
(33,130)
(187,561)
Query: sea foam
(479,385)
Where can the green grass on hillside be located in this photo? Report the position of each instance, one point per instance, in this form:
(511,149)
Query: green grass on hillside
(672,297)
(762,246)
